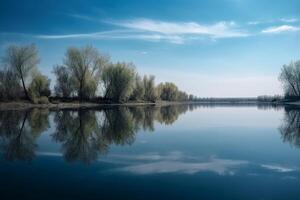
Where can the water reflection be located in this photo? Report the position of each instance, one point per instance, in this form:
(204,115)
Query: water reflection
(79,135)
(83,134)
(290,128)
(19,131)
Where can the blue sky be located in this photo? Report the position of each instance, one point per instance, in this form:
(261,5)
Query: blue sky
(208,48)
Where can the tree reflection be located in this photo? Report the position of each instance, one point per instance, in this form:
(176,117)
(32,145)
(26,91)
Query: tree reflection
(82,133)
(169,114)
(118,127)
(19,131)
(290,128)
(143,117)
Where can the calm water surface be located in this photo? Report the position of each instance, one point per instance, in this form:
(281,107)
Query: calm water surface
(174,152)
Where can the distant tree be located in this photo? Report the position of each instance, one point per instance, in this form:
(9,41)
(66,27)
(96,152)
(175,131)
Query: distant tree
(118,80)
(191,97)
(64,86)
(168,91)
(22,60)
(85,65)
(182,96)
(39,86)
(290,78)
(138,90)
(151,93)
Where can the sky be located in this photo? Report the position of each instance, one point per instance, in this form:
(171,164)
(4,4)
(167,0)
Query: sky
(212,48)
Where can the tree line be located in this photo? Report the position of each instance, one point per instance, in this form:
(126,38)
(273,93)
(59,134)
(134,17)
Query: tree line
(84,74)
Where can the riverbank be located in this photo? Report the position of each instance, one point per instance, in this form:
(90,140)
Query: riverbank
(20,105)
(17,105)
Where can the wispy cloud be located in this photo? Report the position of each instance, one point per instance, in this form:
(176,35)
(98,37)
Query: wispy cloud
(218,166)
(174,162)
(273,21)
(151,30)
(118,34)
(290,20)
(280,29)
(278,168)
(170,32)
(95,35)
(82,17)
(254,22)
(217,30)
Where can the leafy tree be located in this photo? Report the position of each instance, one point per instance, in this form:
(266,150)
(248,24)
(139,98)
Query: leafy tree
(182,96)
(63,87)
(168,91)
(138,90)
(85,65)
(191,97)
(39,86)
(118,81)
(151,93)
(22,60)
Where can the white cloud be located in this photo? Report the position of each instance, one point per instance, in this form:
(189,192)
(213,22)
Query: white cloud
(278,168)
(177,162)
(254,22)
(172,32)
(272,21)
(217,30)
(82,17)
(151,30)
(290,20)
(218,166)
(95,35)
(118,34)
(144,52)
(51,154)
(280,29)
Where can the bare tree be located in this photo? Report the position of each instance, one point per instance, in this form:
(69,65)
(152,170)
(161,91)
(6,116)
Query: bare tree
(290,77)
(22,60)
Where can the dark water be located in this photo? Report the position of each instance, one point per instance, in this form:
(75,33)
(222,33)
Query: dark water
(173,152)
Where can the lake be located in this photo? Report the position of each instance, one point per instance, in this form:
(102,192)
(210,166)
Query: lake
(148,152)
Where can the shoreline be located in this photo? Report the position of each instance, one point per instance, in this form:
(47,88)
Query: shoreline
(20,105)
